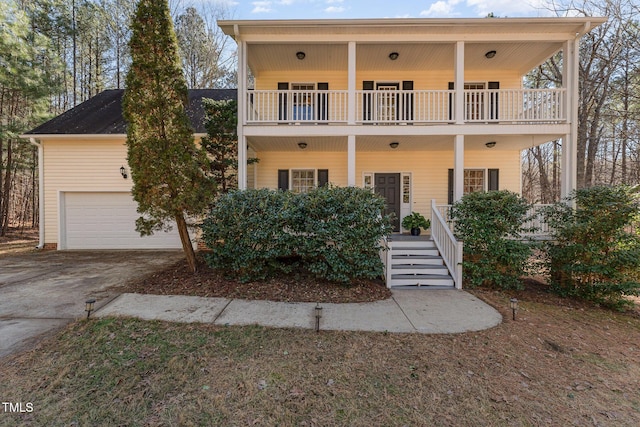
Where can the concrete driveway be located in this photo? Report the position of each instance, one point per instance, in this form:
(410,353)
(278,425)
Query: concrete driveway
(40,292)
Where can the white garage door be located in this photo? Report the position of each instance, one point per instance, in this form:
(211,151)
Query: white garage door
(107,221)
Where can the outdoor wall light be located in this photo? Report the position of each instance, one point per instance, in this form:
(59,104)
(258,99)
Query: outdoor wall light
(490,144)
(302,145)
(318,316)
(300,55)
(513,303)
(393,56)
(88,306)
(123,172)
(394,145)
(490,54)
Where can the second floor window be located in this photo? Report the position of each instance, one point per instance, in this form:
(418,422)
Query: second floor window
(302,101)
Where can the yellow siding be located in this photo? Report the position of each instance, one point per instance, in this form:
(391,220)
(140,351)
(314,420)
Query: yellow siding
(429,169)
(428,80)
(271,161)
(80,165)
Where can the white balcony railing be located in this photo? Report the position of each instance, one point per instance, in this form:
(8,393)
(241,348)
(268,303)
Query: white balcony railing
(510,105)
(406,106)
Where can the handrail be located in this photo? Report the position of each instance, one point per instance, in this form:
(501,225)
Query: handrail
(536,106)
(449,247)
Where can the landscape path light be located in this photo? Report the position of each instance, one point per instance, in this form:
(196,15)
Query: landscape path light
(88,306)
(513,303)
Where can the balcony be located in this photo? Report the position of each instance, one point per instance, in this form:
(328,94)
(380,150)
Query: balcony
(509,106)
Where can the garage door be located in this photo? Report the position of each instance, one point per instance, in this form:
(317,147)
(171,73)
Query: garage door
(107,221)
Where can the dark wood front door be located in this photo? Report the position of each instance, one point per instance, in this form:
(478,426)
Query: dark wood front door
(388,186)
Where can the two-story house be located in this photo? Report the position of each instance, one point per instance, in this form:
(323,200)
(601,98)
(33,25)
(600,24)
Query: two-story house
(421,110)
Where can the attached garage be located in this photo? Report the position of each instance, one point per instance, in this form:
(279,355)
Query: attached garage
(106,220)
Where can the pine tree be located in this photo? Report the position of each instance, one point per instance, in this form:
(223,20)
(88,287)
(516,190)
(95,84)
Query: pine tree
(169,183)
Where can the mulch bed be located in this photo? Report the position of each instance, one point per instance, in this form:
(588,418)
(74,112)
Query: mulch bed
(178,280)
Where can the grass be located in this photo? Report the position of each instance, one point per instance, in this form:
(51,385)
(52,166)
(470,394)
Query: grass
(556,365)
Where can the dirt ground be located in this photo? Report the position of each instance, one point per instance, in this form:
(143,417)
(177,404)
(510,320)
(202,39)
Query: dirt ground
(18,241)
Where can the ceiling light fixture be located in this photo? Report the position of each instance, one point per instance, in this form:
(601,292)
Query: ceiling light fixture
(394,145)
(302,145)
(490,144)
(490,54)
(300,55)
(393,56)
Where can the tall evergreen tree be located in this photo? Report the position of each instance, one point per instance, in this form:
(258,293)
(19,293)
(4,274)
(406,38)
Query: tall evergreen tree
(169,183)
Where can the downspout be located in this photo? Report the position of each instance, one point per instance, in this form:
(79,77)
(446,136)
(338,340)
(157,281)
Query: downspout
(40,191)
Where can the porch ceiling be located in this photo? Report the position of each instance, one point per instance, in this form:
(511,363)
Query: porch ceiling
(405,143)
(420,57)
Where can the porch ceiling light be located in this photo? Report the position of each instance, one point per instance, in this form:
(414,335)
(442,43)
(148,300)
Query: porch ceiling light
(490,54)
(300,55)
(394,145)
(302,145)
(490,144)
(123,172)
(393,56)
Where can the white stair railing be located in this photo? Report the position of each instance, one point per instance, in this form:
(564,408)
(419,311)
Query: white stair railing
(450,248)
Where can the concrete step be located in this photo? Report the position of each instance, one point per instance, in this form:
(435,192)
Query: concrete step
(419,269)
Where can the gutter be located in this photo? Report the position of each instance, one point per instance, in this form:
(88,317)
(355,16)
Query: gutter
(40,191)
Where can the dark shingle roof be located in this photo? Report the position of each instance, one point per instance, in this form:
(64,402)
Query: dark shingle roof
(102,114)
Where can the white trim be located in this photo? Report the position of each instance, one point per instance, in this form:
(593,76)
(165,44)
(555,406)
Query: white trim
(40,191)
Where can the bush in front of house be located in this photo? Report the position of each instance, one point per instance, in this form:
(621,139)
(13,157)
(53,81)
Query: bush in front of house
(491,225)
(594,253)
(331,232)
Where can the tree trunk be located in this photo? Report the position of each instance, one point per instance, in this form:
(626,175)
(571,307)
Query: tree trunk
(187,247)
(4,214)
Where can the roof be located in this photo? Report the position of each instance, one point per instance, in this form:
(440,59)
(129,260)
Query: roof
(484,28)
(102,114)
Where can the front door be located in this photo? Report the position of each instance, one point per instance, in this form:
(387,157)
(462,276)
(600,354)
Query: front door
(388,186)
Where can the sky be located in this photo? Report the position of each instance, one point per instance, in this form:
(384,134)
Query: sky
(346,9)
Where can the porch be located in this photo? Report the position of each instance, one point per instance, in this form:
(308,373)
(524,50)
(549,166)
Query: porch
(434,261)
(402,107)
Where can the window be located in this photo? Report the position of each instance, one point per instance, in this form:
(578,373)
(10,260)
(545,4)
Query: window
(406,188)
(474,94)
(368,181)
(473,180)
(302,101)
(303,180)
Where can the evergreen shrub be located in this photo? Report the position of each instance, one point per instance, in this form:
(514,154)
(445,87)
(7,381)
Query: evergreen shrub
(491,225)
(594,253)
(333,233)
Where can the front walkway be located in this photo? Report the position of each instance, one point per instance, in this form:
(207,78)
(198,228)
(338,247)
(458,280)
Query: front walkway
(421,311)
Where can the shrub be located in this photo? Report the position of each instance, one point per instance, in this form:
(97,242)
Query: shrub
(331,232)
(490,225)
(593,254)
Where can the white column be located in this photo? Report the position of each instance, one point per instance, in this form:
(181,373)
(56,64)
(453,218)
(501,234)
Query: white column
(458,168)
(351,84)
(459,82)
(569,176)
(351,160)
(351,114)
(242,93)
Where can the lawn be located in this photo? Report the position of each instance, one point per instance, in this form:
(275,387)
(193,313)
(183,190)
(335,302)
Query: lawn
(560,363)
